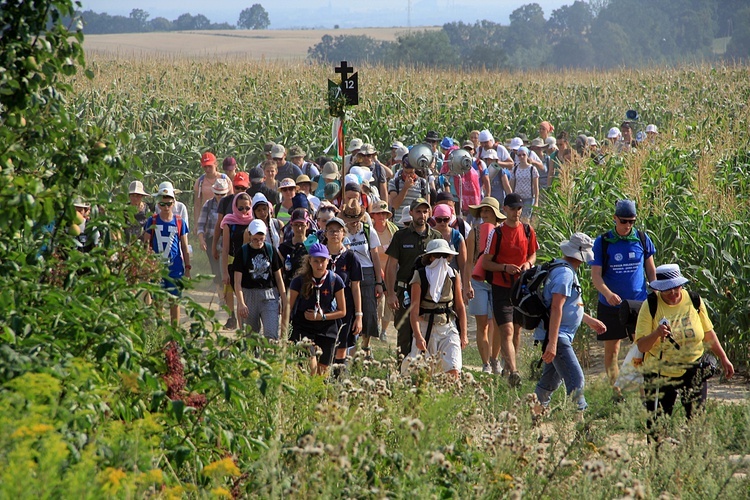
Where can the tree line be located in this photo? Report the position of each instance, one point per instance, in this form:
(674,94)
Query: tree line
(594,34)
(138,21)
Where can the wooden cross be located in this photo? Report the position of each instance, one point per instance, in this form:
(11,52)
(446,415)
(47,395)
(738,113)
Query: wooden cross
(344,69)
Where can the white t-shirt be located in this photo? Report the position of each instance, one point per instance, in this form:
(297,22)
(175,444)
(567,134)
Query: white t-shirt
(358,242)
(523,179)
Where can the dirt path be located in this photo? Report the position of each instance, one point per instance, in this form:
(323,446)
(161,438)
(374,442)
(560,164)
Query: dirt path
(734,391)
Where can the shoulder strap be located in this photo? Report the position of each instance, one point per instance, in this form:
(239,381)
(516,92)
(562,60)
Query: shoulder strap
(455,238)
(642,237)
(245,254)
(695,298)
(178,221)
(200,186)
(269,251)
(422,283)
(527,230)
(605,257)
(366,229)
(461,226)
(652,303)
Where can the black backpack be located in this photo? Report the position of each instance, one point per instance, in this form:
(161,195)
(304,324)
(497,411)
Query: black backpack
(526,294)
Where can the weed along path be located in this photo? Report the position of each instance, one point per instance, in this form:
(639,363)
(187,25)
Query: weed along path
(734,391)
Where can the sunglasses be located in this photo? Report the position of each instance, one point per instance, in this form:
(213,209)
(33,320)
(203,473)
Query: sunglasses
(166,203)
(626,221)
(244,209)
(441,220)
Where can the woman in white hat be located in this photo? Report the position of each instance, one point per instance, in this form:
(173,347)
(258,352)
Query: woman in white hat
(673,336)
(438,315)
(259,285)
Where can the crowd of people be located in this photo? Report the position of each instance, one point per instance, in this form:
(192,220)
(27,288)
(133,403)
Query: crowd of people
(336,253)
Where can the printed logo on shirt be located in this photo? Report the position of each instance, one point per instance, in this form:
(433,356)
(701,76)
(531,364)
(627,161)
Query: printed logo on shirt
(631,255)
(618,257)
(407,246)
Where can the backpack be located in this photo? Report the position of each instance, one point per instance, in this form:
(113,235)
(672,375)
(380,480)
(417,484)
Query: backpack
(605,244)
(526,295)
(203,177)
(488,275)
(424,285)
(653,300)
(422,185)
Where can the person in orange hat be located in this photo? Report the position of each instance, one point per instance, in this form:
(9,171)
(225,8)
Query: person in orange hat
(203,188)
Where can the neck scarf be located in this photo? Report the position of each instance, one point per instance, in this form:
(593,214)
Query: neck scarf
(317,285)
(237,217)
(436,272)
(615,237)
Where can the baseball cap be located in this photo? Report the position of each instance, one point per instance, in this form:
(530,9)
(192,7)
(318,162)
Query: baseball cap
(165,189)
(447,143)
(287,183)
(513,200)
(229,163)
(432,136)
(268,146)
(208,158)
(277,151)
(330,171)
(443,196)
(515,143)
(485,136)
(257,226)
(396,144)
(352,186)
(336,220)
(418,202)
(467,144)
(354,145)
(652,128)
(319,250)
(490,153)
(241,180)
(299,215)
(613,133)
(256,174)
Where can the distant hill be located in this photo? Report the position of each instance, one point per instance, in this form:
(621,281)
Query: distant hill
(265,44)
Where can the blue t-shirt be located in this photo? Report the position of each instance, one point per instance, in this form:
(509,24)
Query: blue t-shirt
(165,241)
(563,280)
(625,274)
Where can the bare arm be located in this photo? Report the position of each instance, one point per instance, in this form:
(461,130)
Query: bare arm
(185,253)
(553,332)
(506,183)
(650,268)
(377,268)
(357,294)
(217,234)
(535,190)
(197,200)
(416,291)
(486,188)
(712,340)
(242,310)
(596,277)
(284,325)
(469,265)
(390,282)
(462,256)
(460,309)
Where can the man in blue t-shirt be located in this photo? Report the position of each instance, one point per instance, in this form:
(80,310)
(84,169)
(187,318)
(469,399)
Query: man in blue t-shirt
(166,234)
(619,275)
(562,296)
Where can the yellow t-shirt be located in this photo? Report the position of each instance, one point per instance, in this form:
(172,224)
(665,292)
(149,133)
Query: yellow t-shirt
(688,329)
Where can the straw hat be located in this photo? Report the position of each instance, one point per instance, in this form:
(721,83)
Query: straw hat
(488,202)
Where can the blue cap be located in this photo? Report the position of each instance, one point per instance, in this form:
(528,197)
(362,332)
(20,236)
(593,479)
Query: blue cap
(446,143)
(300,201)
(625,208)
(319,250)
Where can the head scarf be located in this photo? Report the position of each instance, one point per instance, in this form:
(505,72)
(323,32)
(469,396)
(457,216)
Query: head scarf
(237,217)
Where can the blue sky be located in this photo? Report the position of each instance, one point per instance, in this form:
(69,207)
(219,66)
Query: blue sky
(285,14)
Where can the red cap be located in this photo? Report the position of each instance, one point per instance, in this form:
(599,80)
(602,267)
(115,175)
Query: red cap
(241,179)
(229,163)
(208,159)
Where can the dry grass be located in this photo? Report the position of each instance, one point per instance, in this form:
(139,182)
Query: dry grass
(240,44)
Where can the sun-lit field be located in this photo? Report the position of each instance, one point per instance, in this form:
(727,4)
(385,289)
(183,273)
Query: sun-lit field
(241,44)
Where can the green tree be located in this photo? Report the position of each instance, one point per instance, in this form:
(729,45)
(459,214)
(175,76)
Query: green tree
(140,18)
(428,48)
(526,43)
(739,45)
(569,20)
(355,49)
(254,18)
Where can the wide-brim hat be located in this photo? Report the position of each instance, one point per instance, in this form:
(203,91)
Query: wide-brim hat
(580,246)
(488,202)
(439,246)
(381,207)
(352,212)
(305,178)
(668,276)
(405,216)
(136,187)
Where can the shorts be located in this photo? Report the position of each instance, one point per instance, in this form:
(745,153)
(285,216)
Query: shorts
(481,304)
(610,316)
(173,285)
(444,344)
(501,306)
(385,314)
(326,344)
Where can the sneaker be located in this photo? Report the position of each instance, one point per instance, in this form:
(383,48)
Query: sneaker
(383,336)
(368,353)
(486,368)
(231,323)
(497,368)
(514,379)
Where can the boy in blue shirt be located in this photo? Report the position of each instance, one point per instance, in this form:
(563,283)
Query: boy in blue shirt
(166,234)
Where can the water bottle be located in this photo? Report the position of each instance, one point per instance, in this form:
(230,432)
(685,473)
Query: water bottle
(288,263)
(407,300)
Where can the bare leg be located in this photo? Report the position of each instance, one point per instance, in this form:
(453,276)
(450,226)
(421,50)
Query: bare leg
(174,313)
(516,340)
(507,346)
(483,343)
(611,352)
(495,343)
